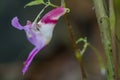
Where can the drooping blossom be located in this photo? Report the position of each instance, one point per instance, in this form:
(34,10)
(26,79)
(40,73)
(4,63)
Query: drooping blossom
(39,34)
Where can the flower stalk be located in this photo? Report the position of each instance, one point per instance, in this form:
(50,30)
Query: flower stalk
(78,54)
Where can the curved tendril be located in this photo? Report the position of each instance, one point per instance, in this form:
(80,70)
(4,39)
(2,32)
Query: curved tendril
(84,46)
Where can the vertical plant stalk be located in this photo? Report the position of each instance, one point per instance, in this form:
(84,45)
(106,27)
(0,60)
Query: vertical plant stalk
(104,26)
(75,46)
(117,33)
(76,49)
(112,26)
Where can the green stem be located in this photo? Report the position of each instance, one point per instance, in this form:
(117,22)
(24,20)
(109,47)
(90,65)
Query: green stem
(76,49)
(99,57)
(75,46)
(38,16)
(63,3)
(117,33)
(112,26)
(50,4)
(48,0)
(112,15)
(104,26)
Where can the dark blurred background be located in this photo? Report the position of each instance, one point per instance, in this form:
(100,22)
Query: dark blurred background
(57,60)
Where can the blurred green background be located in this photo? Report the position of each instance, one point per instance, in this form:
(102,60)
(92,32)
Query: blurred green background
(56,61)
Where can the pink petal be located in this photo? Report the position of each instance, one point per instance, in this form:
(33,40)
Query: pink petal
(16,24)
(53,15)
(29,59)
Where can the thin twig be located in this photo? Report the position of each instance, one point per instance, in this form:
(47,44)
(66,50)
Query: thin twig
(76,49)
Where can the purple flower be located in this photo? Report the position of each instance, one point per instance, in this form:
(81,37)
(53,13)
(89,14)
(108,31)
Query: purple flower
(39,34)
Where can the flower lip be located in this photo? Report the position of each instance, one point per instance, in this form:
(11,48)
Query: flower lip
(16,24)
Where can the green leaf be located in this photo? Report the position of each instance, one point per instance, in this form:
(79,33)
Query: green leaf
(36,2)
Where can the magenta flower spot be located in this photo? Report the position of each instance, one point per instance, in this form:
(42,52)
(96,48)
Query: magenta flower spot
(39,34)
(52,16)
